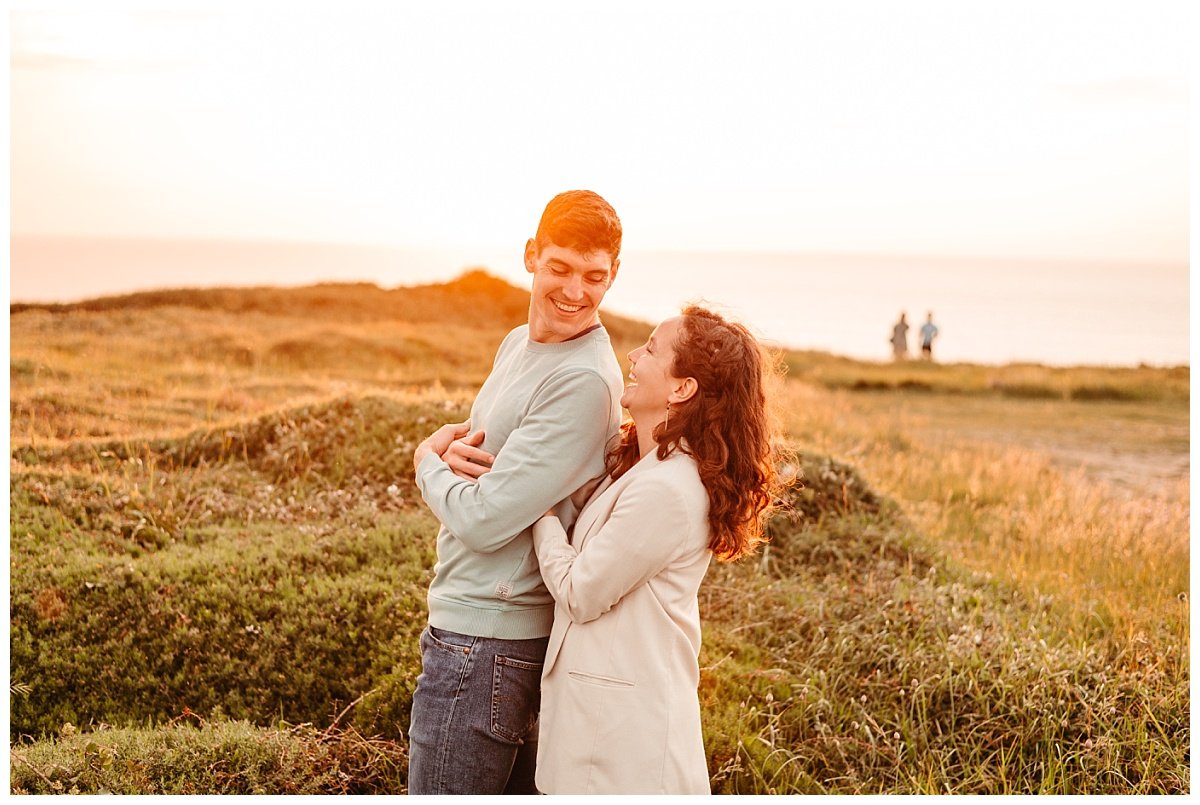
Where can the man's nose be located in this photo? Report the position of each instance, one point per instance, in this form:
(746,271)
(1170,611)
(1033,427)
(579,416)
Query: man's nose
(573,288)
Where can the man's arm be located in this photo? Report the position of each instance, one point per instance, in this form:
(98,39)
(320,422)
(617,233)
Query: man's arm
(558,447)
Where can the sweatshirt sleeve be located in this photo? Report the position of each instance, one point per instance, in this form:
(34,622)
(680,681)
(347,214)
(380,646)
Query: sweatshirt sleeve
(558,446)
(644,533)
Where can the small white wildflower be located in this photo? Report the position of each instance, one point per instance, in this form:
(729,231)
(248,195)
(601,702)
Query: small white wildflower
(393,490)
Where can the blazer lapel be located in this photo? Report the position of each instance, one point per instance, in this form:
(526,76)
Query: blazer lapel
(600,506)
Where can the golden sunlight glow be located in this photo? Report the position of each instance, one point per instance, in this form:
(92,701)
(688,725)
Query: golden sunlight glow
(999,130)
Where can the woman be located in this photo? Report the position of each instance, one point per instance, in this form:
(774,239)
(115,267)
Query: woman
(692,476)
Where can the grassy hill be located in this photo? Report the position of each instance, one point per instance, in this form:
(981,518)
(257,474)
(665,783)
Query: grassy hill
(162,360)
(218,558)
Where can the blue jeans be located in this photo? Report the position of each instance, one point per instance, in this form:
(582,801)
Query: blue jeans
(474,715)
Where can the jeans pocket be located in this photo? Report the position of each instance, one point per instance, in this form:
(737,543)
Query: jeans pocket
(450,641)
(516,697)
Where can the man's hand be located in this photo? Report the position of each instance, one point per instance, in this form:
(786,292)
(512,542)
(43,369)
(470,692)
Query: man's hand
(584,493)
(440,440)
(464,457)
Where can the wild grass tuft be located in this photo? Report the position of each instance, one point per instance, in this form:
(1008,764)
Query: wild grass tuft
(194,756)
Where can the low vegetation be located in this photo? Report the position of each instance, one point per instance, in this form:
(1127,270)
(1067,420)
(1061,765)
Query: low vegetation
(225,597)
(191,755)
(1018,381)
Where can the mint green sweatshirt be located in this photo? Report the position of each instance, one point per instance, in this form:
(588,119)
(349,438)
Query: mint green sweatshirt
(547,412)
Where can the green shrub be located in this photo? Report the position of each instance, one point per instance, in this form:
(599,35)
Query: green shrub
(222,757)
(154,581)
(368,438)
(266,622)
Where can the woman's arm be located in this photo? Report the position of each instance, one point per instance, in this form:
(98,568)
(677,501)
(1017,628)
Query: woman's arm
(645,531)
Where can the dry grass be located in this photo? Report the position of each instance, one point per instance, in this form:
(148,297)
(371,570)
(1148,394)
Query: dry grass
(1007,487)
(1016,381)
(161,362)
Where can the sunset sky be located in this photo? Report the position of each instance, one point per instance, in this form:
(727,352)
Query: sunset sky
(1034,129)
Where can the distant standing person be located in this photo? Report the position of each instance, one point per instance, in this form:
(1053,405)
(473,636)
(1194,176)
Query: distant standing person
(900,339)
(929,332)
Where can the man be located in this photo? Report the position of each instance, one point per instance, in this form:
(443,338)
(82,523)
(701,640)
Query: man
(537,433)
(929,332)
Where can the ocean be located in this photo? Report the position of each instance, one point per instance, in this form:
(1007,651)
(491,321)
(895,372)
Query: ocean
(987,310)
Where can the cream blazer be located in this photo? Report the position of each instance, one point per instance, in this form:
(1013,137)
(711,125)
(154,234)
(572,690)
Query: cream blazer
(620,711)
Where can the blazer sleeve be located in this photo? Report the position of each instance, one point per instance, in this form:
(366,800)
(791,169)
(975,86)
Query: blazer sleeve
(646,530)
(558,446)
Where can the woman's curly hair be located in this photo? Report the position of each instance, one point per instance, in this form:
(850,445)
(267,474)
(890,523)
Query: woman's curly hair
(725,427)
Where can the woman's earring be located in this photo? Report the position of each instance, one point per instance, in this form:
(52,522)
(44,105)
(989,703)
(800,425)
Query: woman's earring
(668,420)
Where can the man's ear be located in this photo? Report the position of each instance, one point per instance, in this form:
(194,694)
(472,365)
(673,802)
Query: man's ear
(612,274)
(684,390)
(531,253)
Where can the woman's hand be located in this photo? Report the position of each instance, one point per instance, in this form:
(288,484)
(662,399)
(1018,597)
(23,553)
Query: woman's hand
(581,495)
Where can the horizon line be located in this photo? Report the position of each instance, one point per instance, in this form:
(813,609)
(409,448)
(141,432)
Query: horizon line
(396,246)
(775,343)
